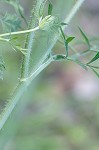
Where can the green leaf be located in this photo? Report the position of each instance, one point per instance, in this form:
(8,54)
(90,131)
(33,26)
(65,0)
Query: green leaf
(95,58)
(65,41)
(63,24)
(10,22)
(50,8)
(62,33)
(59,57)
(69,39)
(85,37)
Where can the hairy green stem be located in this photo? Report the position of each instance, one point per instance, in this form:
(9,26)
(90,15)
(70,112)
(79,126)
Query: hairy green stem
(20,89)
(30,39)
(45,64)
(25,67)
(20,32)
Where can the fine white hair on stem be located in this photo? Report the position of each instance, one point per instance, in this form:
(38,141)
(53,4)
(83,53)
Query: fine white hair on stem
(23,85)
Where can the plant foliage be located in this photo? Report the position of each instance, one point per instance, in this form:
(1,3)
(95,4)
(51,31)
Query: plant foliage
(37,52)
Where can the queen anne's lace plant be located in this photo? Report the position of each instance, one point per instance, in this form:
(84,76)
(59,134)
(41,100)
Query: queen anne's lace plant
(53,28)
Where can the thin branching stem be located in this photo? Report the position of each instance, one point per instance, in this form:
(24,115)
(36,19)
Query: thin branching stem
(25,76)
(20,89)
(44,65)
(30,39)
(73,11)
(19,32)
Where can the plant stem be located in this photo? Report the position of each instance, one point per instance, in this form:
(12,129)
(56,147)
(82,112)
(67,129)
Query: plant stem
(20,32)
(26,80)
(74,10)
(30,38)
(68,19)
(12,103)
(4,40)
(20,89)
(33,73)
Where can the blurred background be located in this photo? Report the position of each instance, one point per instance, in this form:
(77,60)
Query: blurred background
(60,110)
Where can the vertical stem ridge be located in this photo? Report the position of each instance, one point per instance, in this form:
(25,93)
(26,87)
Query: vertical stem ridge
(30,38)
